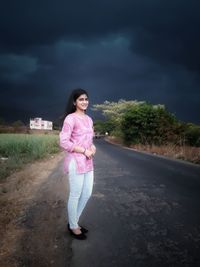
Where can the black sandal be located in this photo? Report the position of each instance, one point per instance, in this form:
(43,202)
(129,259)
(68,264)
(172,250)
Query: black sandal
(78,236)
(83,230)
(81,236)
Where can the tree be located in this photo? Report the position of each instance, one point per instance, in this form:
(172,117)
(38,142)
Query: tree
(103,126)
(141,122)
(2,121)
(18,124)
(148,124)
(113,112)
(192,134)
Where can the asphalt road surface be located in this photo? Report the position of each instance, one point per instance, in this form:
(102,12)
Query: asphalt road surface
(145,211)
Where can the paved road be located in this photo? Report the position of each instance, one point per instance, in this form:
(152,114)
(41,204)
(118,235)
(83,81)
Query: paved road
(145,211)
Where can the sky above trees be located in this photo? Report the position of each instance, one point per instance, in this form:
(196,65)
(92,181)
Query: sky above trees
(133,50)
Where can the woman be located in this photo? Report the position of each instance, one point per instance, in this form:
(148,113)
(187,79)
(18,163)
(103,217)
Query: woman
(76,137)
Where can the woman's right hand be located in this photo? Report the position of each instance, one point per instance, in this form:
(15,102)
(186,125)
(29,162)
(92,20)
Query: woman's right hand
(88,153)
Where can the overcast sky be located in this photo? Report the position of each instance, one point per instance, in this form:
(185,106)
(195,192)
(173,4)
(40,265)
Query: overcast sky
(145,50)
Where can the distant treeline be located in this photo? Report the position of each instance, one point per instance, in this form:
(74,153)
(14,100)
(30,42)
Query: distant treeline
(20,127)
(143,123)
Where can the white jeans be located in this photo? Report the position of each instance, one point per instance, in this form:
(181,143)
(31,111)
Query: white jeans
(80,191)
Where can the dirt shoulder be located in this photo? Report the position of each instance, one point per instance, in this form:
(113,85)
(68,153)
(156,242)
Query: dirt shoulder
(32,215)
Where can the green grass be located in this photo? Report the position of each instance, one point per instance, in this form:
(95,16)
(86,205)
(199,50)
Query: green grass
(19,149)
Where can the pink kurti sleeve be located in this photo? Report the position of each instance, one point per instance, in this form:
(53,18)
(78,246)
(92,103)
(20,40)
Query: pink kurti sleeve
(65,134)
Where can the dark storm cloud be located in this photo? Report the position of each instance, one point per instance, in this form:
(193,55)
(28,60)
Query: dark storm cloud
(145,50)
(166,31)
(16,68)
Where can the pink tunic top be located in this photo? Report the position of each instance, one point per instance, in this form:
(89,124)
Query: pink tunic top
(77,130)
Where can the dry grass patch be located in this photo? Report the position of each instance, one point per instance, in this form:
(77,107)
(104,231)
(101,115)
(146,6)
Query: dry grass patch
(188,153)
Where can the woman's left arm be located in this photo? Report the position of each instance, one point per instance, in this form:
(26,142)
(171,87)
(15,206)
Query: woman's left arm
(92,147)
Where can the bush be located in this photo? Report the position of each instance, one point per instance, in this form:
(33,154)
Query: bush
(192,135)
(148,124)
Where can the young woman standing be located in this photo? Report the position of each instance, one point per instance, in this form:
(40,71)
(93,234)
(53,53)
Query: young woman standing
(76,138)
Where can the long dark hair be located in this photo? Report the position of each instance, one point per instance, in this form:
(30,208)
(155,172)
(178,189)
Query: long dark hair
(70,107)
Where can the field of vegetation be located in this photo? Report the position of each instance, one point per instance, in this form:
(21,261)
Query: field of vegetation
(19,149)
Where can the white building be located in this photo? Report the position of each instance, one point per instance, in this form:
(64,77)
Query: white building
(39,124)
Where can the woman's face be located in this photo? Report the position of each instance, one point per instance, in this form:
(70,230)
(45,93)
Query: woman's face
(82,102)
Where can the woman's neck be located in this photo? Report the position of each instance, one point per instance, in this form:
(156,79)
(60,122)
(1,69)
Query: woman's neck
(80,112)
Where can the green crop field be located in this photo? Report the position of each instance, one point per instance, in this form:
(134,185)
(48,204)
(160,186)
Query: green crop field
(18,149)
